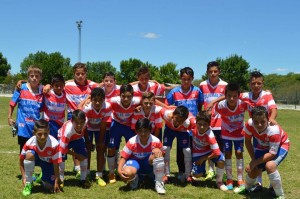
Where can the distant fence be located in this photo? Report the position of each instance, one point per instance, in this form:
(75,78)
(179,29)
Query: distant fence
(6,88)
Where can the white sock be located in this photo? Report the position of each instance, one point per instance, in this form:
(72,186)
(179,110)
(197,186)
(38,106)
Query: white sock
(249,182)
(77,168)
(240,168)
(211,166)
(99,174)
(187,161)
(259,179)
(83,169)
(158,168)
(275,181)
(219,177)
(167,160)
(228,168)
(62,166)
(29,168)
(111,164)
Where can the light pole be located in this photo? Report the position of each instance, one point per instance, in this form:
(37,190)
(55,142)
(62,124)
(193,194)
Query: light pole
(79,39)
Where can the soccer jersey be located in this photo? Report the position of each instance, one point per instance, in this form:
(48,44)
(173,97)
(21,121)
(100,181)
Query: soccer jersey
(187,125)
(94,117)
(114,93)
(204,143)
(135,150)
(76,93)
(157,89)
(211,93)
(54,107)
(271,139)
(191,99)
(154,117)
(232,120)
(50,153)
(29,107)
(264,99)
(66,134)
(121,114)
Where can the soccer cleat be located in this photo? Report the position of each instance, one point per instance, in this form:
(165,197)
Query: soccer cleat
(166,179)
(112,178)
(160,187)
(27,189)
(229,184)
(189,179)
(39,178)
(61,184)
(134,184)
(210,175)
(222,187)
(256,188)
(181,176)
(85,184)
(272,192)
(100,182)
(77,176)
(240,190)
(279,197)
(241,183)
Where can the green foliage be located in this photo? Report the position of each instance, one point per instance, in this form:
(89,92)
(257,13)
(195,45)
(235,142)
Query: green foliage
(96,70)
(50,64)
(128,70)
(169,74)
(4,68)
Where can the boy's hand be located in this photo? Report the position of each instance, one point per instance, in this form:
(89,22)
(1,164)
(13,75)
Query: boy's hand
(123,175)
(272,122)
(11,122)
(46,89)
(19,84)
(56,188)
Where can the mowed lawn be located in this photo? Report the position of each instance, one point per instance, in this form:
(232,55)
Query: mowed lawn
(11,186)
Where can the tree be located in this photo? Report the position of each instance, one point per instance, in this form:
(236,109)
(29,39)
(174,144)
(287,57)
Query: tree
(50,64)
(168,73)
(128,70)
(4,68)
(96,70)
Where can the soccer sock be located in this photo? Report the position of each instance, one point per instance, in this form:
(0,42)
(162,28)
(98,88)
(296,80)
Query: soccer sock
(187,161)
(275,181)
(167,160)
(99,174)
(259,179)
(219,177)
(249,182)
(228,168)
(77,168)
(240,168)
(29,168)
(117,158)
(62,166)
(83,169)
(211,166)
(158,168)
(111,163)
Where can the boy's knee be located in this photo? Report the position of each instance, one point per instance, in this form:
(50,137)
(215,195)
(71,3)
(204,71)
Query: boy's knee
(271,167)
(221,164)
(130,172)
(29,156)
(157,153)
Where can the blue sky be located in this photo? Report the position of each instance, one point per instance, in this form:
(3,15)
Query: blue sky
(188,33)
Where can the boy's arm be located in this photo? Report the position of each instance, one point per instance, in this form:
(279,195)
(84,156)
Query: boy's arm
(46,88)
(56,182)
(19,84)
(11,121)
(102,135)
(273,116)
(249,147)
(212,103)
(21,163)
(85,102)
(122,174)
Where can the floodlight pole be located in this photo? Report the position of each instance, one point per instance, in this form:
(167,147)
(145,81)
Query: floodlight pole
(79,39)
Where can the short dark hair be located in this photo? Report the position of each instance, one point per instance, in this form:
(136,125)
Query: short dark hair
(258,111)
(187,70)
(143,70)
(126,88)
(143,123)
(182,111)
(57,78)
(79,65)
(203,115)
(232,86)
(212,64)
(147,95)
(41,124)
(109,74)
(256,74)
(98,92)
(78,114)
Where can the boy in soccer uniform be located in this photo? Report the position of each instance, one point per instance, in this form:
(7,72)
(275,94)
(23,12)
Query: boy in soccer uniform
(213,88)
(72,136)
(205,147)
(41,150)
(109,86)
(142,154)
(55,104)
(123,107)
(271,149)
(178,123)
(98,113)
(29,99)
(152,112)
(232,111)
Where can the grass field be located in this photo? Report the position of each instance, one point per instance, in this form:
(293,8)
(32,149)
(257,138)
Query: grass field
(11,186)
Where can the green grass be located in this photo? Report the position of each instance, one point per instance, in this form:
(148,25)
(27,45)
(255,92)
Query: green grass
(11,185)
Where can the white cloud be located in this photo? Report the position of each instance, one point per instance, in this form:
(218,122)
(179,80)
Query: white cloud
(280,69)
(150,35)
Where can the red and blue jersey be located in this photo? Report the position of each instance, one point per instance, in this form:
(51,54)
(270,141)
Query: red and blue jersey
(192,99)
(114,93)
(157,89)
(50,153)
(29,107)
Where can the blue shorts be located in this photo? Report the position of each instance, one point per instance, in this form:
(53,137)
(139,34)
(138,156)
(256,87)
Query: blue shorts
(96,134)
(47,168)
(54,128)
(238,145)
(282,153)
(118,130)
(219,139)
(78,147)
(197,169)
(183,138)
(142,166)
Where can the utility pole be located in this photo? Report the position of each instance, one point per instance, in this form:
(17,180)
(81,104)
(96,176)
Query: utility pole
(79,39)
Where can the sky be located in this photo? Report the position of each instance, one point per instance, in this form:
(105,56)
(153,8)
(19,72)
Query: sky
(186,32)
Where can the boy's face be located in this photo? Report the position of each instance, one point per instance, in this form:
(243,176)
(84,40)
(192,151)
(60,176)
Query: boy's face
(202,126)
(256,85)
(97,102)
(78,125)
(213,73)
(186,81)
(80,76)
(232,98)
(34,78)
(144,79)
(260,122)
(41,135)
(58,87)
(126,98)
(144,134)
(109,82)
(147,103)
(178,120)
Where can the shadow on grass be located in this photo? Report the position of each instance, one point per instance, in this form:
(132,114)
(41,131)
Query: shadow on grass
(145,182)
